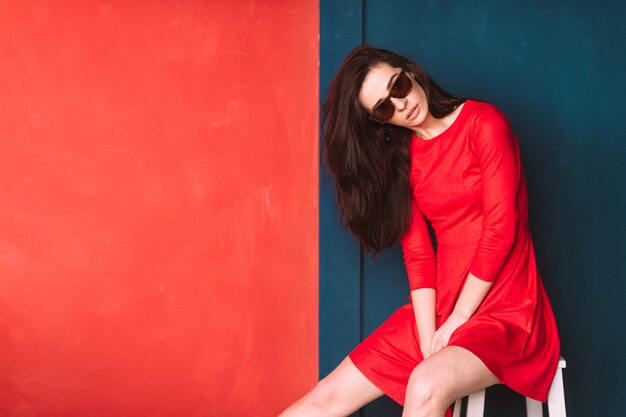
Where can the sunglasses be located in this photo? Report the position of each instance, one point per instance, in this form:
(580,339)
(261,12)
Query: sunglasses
(401,87)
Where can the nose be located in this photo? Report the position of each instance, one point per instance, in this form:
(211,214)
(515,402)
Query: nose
(399,103)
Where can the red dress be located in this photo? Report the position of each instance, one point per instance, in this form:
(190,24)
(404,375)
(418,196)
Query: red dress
(469,183)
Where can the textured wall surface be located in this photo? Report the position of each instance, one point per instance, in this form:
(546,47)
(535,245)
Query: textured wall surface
(158,207)
(556,69)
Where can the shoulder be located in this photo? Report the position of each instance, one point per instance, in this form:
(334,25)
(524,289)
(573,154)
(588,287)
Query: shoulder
(484,112)
(485,117)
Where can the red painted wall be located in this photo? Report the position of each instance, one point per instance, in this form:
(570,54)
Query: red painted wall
(158,207)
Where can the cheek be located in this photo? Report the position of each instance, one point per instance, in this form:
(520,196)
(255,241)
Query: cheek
(421,93)
(423,100)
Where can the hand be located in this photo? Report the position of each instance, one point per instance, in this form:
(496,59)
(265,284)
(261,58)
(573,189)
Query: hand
(442,335)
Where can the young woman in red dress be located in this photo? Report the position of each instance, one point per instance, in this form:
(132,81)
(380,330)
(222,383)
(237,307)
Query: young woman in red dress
(402,150)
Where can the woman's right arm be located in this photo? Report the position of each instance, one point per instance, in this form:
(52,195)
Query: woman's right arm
(424,309)
(421,268)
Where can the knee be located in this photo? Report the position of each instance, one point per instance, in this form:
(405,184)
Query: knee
(423,397)
(320,398)
(320,401)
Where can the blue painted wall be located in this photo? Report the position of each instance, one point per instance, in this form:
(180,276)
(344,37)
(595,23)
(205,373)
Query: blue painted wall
(556,69)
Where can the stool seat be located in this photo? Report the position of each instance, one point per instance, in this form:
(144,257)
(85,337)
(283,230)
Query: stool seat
(556,400)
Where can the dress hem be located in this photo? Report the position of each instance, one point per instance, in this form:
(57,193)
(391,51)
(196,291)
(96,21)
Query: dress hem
(374,379)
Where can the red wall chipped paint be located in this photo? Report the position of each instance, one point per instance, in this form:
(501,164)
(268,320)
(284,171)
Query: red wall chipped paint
(158,207)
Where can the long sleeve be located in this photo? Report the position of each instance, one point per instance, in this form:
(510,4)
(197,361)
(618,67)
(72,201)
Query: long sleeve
(497,150)
(419,256)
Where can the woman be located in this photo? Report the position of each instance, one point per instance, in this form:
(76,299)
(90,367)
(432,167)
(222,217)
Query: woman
(401,148)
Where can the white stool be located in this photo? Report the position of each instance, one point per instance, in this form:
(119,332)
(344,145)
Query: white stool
(556,400)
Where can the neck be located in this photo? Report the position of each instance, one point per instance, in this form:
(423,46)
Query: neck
(432,127)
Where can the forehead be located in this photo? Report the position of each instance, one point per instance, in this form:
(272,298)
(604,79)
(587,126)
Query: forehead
(375,84)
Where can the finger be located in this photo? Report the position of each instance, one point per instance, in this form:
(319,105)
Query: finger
(436,345)
(440,343)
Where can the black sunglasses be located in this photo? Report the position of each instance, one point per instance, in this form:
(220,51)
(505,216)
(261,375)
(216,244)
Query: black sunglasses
(401,87)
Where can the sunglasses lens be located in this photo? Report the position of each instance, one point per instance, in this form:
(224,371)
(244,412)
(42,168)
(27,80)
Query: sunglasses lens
(402,86)
(384,111)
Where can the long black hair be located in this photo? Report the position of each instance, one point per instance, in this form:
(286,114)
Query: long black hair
(371,173)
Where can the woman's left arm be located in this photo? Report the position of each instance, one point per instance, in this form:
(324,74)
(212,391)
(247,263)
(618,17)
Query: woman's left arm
(497,151)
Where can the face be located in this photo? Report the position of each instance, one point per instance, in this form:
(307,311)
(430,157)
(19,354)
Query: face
(409,111)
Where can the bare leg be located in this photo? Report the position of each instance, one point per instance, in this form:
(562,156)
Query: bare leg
(437,382)
(342,392)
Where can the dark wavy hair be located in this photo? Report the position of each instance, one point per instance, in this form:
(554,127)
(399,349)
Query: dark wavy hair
(372,176)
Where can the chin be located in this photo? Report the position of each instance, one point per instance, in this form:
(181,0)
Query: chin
(421,117)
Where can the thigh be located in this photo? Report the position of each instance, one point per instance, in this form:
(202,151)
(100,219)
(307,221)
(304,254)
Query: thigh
(342,392)
(350,388)
(452,373)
